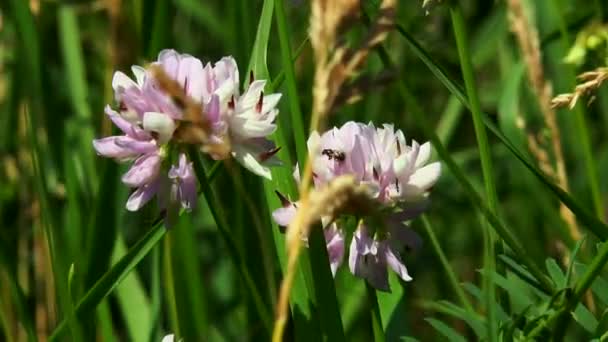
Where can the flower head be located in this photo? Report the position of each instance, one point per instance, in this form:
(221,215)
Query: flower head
(177,92)
(399,177)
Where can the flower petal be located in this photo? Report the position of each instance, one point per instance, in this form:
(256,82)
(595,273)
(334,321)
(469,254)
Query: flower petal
(283,216)
(144,171)
(141,196)
(140,74)
(161,124)
(424,154)
(107,147)
(334,238)
(396,264)
(247,158)
(426,177)
(121,82)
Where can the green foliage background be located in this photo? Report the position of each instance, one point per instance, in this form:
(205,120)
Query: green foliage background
(74,265)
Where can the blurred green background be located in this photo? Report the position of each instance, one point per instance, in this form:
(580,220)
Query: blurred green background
(56,63)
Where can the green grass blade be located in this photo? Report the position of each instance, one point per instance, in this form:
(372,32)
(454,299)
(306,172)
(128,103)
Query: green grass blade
(257,61)
(132,299)
(204,14)
(18,297)
(596,226)
(76,78)
(377,326)
(302,299)
(446,265)
(222,225)
(505,233)
(486,160)
(191,306)
(111,279)
(297,123)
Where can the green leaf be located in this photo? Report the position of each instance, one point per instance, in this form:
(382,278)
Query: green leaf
(556,273)
(111,279)
(476,292)
(445,330)
(585,318)
(132,299)
(573,255)
(393,308)
(473,319)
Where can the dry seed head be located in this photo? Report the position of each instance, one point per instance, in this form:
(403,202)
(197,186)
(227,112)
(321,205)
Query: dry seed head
(193,128)
(591,81)
(342,195)
(336,62)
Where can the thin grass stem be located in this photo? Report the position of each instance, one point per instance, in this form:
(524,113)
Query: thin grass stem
(446,265)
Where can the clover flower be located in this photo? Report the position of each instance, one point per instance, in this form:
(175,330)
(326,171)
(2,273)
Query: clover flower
(399,178)
(177,101)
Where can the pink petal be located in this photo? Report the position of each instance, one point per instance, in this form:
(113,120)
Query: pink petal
(141,196)
(144,171)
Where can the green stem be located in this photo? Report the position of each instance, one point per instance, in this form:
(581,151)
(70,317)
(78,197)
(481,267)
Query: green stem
(486,160)
(375,314)
(446,265)
(222,225)
(170,285)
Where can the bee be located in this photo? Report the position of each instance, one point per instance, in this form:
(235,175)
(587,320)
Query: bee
(333,154)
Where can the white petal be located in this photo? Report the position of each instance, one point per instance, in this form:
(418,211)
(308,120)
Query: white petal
(168,338)
(270,102)
(313,142)
(426,177)
(248,160)
(423,154)
(140,74)
(120,81)
(401,164)
(161,124)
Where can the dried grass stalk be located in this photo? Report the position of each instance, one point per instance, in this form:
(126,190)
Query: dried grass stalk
(527,39)
(335,66)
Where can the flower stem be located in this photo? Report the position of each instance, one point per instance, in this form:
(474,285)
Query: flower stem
(170,285)
(376,318)
(222,225)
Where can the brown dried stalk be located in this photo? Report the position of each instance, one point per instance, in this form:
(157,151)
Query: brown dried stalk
(335,65)
(328,19)
(591,81)
(527,38)
(342,194)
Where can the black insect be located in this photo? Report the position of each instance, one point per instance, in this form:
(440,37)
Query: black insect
(333,154)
